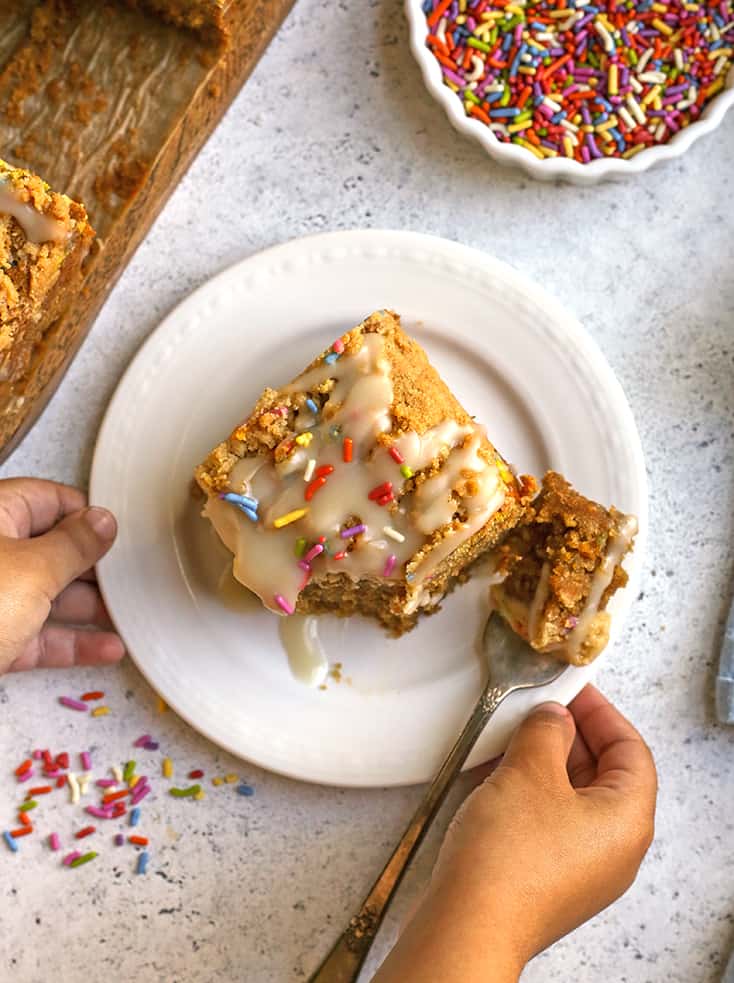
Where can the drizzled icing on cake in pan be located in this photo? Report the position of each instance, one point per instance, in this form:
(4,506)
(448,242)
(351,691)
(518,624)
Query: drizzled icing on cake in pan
(346,495)
(36,226)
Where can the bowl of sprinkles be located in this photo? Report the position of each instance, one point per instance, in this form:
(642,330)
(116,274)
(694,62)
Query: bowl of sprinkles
(578,90)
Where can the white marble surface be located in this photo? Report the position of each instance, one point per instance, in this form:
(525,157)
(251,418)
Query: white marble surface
(334,130)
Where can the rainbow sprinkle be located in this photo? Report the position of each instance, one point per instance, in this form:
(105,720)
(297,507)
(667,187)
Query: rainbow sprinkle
(285,520)
(245,503)
(582,80)
(184,793)
(353,531)
(83,859)
(72,704)
(283,604)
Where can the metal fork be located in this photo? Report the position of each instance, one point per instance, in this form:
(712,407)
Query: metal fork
(513,665)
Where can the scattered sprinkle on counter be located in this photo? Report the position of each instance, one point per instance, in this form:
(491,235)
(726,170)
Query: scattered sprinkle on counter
(184,793)
(118,798)
(72,704)
(583,80)
(83,859)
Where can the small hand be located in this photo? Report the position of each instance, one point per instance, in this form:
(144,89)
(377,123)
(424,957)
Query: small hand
(51,612)
(555,834)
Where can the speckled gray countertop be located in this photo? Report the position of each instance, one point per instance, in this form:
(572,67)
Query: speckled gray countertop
(335,130)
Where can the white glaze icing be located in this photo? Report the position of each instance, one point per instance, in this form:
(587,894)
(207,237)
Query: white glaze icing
(36,226)
(538,602)
(616,549)
(359,403)
(306,658)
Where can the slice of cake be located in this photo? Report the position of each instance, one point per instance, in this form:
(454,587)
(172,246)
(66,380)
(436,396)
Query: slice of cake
(558,569)
(44,238)
(361,487)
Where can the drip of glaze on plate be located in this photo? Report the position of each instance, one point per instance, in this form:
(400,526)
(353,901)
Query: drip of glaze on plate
(300,638)
(357,407)
(37,227)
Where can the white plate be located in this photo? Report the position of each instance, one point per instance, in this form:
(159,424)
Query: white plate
(513,356)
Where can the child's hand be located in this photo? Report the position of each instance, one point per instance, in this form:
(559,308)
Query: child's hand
(555,834)
(49,543)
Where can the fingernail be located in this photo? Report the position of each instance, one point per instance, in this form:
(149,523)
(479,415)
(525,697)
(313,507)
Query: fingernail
(102,521)
(557,708)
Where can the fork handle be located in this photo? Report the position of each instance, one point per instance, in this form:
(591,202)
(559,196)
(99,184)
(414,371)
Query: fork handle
(343,963)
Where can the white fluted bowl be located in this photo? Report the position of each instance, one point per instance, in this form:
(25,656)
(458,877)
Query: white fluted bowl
(554,168)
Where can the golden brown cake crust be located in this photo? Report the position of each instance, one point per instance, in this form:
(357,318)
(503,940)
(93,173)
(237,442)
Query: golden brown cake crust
(37,279)
(205,17)
(570,535)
